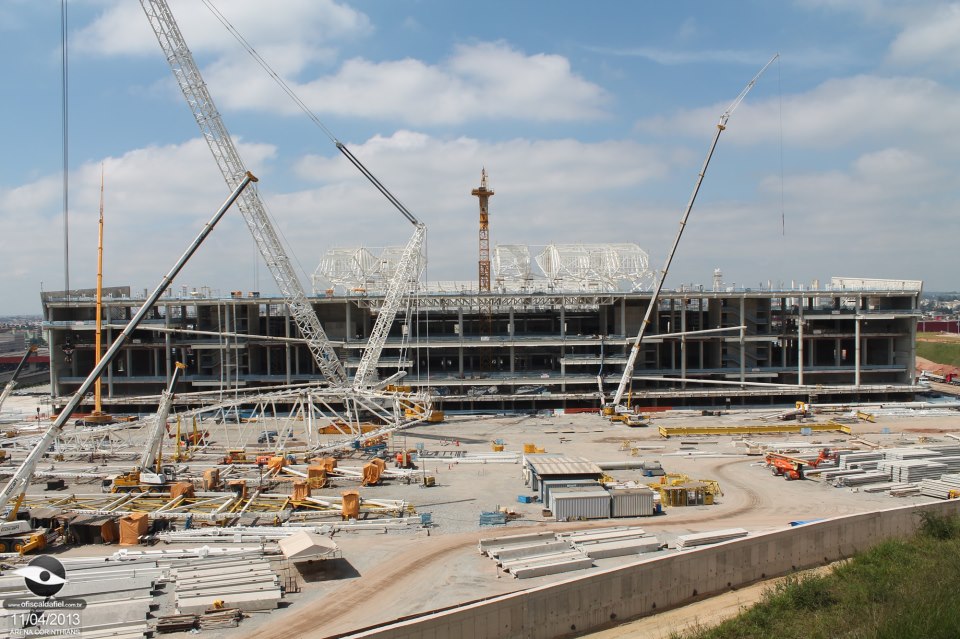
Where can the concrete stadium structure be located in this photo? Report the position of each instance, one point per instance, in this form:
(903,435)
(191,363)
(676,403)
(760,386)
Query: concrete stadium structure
(524,349)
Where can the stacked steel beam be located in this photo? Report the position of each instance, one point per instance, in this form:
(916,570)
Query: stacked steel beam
(865,461)
(940,488)
(912,470)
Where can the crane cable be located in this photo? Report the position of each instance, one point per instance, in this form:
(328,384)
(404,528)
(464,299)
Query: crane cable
(64,123)
(310,114)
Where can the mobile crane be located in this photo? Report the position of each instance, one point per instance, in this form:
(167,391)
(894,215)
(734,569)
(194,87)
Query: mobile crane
(635,349)
(142,478)
(16,488)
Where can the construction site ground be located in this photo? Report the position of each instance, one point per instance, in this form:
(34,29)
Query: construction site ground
(387,575)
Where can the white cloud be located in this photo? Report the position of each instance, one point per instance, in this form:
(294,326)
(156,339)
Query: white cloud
(932,38)
(485,80)
(158,198)
(554,190)
(863,108)
(123,29)
(478,81)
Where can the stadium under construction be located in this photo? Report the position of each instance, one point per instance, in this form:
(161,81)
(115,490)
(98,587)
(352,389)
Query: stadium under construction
(529,344)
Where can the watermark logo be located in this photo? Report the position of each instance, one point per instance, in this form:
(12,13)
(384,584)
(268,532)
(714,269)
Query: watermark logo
(44,576)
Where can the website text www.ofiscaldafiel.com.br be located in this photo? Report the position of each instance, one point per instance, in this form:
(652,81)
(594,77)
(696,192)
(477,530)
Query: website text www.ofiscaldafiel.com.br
(44,614)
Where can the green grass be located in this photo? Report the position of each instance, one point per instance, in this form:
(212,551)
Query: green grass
(939,352)
(948,354)
(900,589)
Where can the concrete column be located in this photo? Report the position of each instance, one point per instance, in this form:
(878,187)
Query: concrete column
(512,332)
(800,344)
(743,343)
(460,347)
(286,345)
(856,349)
(836,351)
(623,322)
(683,343)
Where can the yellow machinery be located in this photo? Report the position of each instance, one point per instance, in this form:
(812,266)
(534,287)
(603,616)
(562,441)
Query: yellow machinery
(630,419)
(718,431)
(236,456)
(18,536)
(677,489)
(151,473)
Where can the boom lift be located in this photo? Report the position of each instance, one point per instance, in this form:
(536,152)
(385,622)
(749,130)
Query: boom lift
(793,467)
(12,384)
(635,350)
(16,488)
(142,478)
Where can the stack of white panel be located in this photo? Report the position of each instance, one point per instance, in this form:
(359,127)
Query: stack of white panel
(913,470)
(865,461)
(715,537)
(940,488)
(861,479)
(600,543)
(247,584)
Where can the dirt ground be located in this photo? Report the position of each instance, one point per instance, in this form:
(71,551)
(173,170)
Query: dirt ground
(384,576)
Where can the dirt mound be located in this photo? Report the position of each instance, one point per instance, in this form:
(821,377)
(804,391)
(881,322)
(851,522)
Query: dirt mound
(933,367)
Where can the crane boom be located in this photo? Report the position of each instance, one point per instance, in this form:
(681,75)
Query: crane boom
(17,486)
(400,286)
(211,124)
(13,380)
(163,412)
(721,125)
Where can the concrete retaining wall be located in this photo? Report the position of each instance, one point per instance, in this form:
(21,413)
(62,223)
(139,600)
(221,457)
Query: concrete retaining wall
(649,586)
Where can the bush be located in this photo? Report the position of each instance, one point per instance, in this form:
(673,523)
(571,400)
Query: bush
(939,527)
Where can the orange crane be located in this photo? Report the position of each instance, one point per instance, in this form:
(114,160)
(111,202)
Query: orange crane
(484,194)
(792,467)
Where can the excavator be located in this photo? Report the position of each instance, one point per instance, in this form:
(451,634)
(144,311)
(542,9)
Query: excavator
(791,468)
(150,474)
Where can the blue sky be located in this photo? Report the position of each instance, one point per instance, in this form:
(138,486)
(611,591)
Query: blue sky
(592,120)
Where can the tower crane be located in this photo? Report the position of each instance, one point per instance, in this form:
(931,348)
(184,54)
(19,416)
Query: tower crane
(721,126)
(225,153)
(483,193)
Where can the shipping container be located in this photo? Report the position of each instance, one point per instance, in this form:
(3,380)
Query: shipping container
(572,504)
(631,502)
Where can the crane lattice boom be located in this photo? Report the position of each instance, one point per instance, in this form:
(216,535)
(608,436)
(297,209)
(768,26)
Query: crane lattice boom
(401,286)
(231,166)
